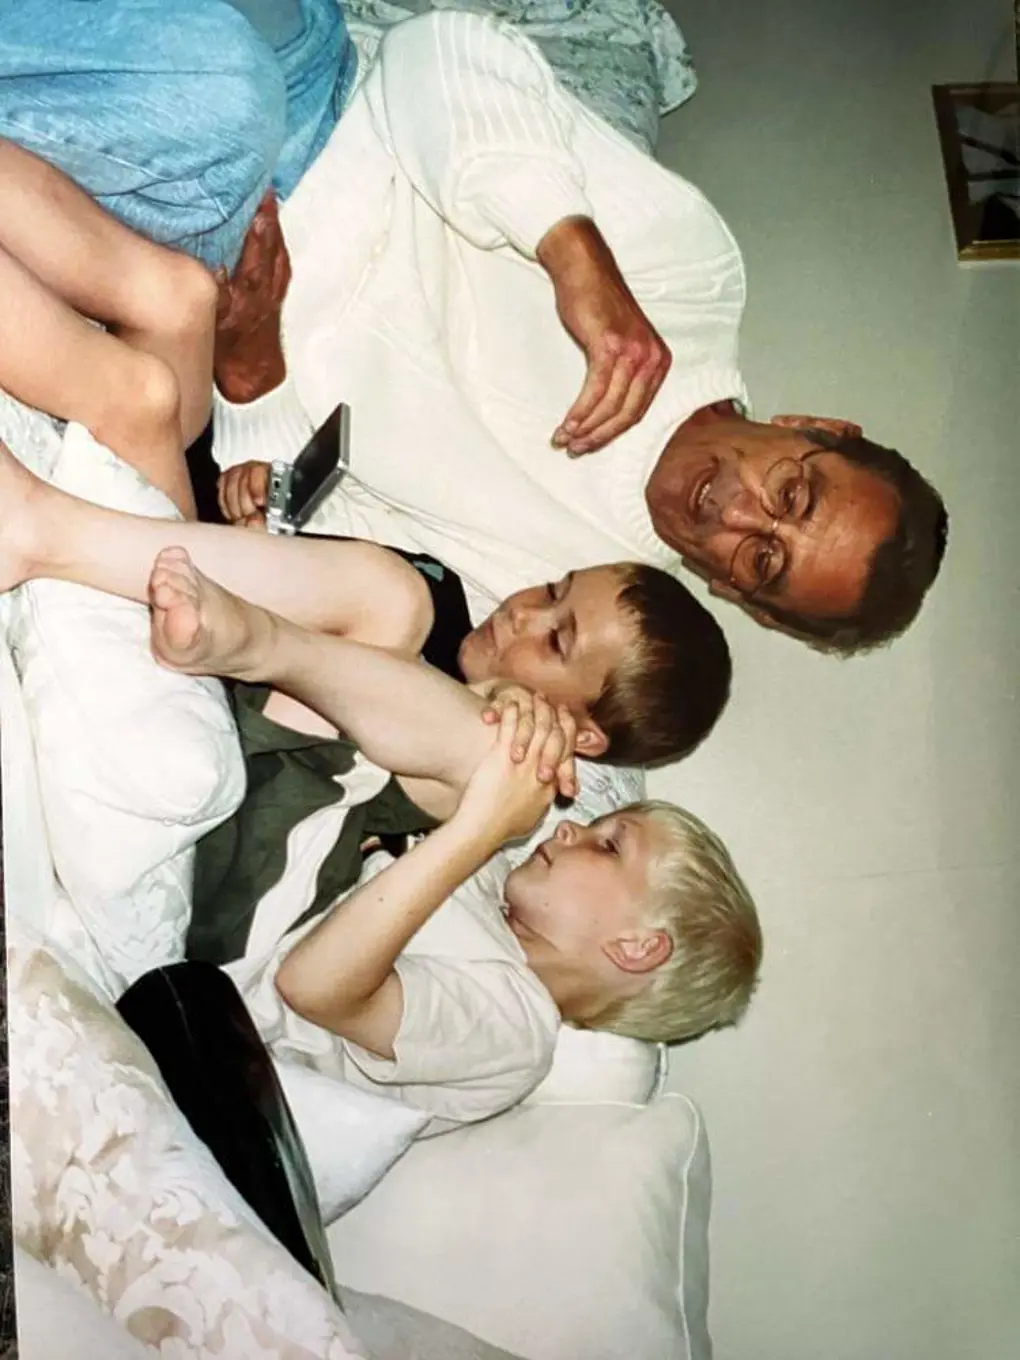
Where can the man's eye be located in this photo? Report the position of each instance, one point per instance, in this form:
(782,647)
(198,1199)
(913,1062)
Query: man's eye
(786,502)
(794,499)
(767,562)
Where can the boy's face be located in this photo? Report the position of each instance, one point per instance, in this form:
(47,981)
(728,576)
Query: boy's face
(577,906)
(562,640)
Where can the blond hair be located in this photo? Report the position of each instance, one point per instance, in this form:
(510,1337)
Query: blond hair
(700,901)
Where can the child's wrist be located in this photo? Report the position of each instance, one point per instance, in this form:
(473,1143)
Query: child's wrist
(478,835)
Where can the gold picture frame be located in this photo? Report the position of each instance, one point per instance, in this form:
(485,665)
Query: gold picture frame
(979,132)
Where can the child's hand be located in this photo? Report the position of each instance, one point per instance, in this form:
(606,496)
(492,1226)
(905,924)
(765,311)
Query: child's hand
(558,757)
(505,798)
(242,492)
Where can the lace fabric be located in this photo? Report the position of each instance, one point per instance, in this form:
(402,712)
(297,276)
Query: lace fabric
(112,1189)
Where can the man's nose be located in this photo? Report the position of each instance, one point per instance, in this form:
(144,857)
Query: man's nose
(744,513)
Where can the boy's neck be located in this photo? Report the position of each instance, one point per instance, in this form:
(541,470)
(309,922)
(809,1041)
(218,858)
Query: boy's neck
(575,998)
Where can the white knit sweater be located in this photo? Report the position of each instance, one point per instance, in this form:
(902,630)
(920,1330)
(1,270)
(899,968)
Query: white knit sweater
(416,298)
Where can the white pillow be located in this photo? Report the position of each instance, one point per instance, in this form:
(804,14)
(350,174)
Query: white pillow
(111,1187)
(29,886)
(590,1067)
(352,1137)
(556,1232)
(135,763)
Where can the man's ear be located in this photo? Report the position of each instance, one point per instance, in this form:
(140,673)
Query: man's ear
(641,952)
(840,428)
(591,742)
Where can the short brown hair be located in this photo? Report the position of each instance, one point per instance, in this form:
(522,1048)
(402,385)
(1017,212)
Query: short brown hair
(902,568)
(667,693)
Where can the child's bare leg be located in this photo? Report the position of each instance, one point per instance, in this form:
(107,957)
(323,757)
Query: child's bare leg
(157,300)
(404,716)
(354,589)
(53,359)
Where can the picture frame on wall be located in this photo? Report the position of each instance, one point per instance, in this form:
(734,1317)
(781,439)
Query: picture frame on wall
(979,133)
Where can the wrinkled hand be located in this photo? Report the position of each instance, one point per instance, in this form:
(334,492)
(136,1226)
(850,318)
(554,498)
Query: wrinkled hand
(242,492)
(557,758)
(248,358)
(505,798)
(627,358)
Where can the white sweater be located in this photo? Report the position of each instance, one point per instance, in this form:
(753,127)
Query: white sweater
(417,299)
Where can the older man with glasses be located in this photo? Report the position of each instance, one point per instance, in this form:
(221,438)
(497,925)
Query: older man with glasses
(482,270)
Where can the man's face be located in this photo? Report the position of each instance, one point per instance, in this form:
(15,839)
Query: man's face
(562,640)
(578,904)
(727,483)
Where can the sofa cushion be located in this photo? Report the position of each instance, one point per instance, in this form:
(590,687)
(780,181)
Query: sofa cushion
(556,1232)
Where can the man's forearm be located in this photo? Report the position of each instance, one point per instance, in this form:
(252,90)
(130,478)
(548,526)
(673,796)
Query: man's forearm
(575,254)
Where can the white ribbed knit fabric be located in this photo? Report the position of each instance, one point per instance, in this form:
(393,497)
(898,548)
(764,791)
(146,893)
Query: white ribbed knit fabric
(416,298)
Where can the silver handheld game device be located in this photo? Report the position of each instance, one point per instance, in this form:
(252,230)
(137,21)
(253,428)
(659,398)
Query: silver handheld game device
(296,490)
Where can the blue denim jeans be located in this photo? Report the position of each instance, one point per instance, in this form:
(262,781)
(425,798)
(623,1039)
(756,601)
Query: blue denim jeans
(176,114)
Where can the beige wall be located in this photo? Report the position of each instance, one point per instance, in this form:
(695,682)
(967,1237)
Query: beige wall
(865,1121)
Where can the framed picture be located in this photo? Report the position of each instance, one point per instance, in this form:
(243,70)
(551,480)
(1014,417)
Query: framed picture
(979,130)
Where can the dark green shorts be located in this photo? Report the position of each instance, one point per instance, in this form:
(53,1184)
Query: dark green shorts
(290,776)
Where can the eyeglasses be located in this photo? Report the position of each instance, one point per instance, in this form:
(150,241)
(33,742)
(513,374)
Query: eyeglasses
(786,497)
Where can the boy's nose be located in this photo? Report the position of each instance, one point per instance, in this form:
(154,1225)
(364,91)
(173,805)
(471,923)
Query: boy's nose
(526,619)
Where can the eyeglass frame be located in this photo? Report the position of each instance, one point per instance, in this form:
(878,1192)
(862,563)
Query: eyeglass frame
(776,520)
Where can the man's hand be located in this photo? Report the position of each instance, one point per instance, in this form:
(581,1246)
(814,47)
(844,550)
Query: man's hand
(248,359)
(557,759)
(505,798)
(627,358)
(242,492)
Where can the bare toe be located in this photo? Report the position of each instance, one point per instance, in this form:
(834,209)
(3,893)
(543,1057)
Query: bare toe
(197,626)
(177,632)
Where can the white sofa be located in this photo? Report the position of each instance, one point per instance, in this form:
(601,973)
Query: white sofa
(574,1226)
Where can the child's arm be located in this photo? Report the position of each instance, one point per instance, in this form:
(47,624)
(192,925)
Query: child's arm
(341,975)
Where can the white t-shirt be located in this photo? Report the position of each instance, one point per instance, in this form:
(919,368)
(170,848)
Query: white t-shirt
(478,1029)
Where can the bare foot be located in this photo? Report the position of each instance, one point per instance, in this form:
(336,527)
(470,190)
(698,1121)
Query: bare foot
(21,495)
(200,628)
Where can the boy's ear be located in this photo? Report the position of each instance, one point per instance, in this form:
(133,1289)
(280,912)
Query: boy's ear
(590,742)
(640,953)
